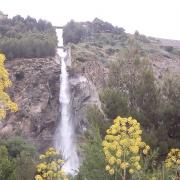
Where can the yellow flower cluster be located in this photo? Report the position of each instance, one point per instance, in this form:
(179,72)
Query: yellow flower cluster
(173,158)
(5,101)
(123,145)
(50,166)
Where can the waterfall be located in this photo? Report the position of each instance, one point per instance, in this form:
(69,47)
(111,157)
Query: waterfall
(65,136)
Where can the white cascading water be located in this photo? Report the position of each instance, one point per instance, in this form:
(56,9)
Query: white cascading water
(65,136)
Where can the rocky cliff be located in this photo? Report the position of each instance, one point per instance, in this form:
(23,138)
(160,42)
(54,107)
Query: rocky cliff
(86,80)
(36,90)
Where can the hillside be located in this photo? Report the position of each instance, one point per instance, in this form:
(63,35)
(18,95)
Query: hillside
(100,40)
(133,75)
(110,73)
(111,59)
(27,38)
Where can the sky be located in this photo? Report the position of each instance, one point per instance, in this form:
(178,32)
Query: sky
(157,18)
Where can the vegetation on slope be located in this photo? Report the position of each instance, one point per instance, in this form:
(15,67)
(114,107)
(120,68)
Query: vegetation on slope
(134,87)
(78,32)
(134,91)
(27,38)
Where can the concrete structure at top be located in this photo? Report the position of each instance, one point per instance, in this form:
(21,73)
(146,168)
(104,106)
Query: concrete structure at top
(3,16)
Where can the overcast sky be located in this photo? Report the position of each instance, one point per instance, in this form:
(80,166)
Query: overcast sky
(158,18)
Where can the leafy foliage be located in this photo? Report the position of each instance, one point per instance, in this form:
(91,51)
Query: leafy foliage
(25,166)
(16,146)
(134,91)
(50,166)
(75,32)
(7,166)
(148,167)
(94,162)
(170,105)
(17,159)
(5,101)
(123,147)
(173,158)
(114,103)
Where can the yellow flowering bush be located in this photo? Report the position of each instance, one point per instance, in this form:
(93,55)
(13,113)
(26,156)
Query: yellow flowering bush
(50,166)
(123,147)
(5,101)
(173,159)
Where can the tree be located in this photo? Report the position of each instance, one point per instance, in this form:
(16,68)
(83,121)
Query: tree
(21,157)
(170,105)
(133,76)
(5,101)
(114,103)
(73,32)
(7,166)
(25,166)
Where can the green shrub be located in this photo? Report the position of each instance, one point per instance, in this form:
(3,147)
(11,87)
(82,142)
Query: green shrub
(93,166)
(170,105)
(114,103)
(7,165)
(25,166)
(94,116)
(17,145)
(73,32)
(17,160)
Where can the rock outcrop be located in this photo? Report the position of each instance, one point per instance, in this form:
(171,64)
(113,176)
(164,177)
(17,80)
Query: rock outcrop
(83,94)
(86,80)
(36,90)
